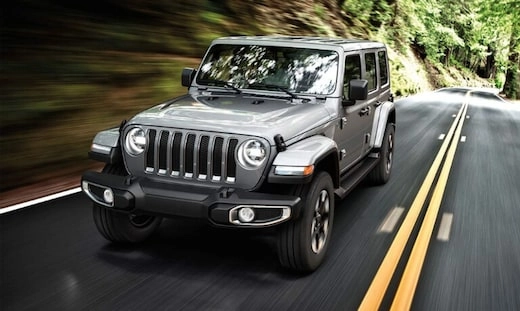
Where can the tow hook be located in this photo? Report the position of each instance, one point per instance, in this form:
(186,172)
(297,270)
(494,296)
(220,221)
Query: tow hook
(226,192)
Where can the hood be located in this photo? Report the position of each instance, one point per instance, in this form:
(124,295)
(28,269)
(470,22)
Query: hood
(236,114)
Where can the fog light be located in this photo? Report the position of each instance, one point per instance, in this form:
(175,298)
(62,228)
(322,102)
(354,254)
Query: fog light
(246,214)
(108,195)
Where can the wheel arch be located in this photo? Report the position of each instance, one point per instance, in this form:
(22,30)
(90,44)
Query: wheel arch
(384,114)
(329,164)
(320,151)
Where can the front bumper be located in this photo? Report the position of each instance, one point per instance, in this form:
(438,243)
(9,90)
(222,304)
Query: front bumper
(220,206)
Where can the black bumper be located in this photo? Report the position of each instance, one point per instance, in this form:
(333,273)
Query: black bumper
(217,205)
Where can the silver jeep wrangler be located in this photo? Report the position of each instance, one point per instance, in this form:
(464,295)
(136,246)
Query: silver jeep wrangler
(272,131)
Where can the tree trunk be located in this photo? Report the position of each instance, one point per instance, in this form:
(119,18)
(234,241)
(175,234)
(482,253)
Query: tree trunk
(394,17)
(447,55)
(512,83)
(491,68)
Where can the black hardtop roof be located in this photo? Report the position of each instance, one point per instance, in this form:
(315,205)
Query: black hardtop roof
(345,43)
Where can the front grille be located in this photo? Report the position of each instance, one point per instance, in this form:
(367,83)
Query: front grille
(177,153)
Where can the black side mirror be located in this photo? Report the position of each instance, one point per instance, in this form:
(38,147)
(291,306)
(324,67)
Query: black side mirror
(358,90)
(187,76)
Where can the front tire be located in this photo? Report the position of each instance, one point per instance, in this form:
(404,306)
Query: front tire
(122,227)
(303,242)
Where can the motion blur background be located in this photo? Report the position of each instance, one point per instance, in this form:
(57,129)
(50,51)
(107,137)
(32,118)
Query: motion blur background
(70,69)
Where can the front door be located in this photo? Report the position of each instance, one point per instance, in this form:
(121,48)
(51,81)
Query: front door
(350,135)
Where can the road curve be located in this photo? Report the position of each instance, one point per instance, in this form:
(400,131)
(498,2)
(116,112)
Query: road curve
(52,257)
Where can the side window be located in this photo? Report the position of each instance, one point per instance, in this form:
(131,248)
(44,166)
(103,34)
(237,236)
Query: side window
(352,71)
(371,75)
(383,67)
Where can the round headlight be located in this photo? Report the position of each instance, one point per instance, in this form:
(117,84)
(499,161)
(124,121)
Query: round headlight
(251,154)
(135,141)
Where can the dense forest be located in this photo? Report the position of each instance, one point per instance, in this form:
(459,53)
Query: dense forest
(70,69)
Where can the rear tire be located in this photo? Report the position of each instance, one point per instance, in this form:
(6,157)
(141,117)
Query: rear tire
(303,242)
(381,173)
(122,227)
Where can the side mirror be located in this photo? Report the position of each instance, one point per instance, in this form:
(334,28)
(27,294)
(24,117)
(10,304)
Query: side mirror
(187,76)
(358,89)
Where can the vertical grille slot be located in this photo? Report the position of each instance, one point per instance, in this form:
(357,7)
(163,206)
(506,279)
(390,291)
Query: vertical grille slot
(163,152)
(231,165)
(176,154)
(150,154)
(217,159)
(203,157)
(188,160)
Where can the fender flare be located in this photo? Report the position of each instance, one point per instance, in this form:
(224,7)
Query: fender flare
(384,113)
(105,147)
(309,151)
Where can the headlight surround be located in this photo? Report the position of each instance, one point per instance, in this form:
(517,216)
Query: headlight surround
(135,141)
(251,154)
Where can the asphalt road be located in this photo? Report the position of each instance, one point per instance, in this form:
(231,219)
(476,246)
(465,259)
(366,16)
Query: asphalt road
(52,257)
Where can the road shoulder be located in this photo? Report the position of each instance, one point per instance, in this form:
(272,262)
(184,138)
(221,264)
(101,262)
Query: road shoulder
(40,189)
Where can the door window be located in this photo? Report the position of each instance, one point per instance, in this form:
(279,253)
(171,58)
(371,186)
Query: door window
(371,75)
(383,67)
(352,71)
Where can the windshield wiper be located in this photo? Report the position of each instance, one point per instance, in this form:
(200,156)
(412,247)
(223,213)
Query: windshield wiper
(221,83)
(273,87)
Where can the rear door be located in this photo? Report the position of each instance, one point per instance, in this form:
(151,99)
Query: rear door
(383,76)
(371,74)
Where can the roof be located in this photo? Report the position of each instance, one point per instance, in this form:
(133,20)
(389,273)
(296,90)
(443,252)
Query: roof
(345,43)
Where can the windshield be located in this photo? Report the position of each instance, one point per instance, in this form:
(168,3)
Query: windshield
(298,70)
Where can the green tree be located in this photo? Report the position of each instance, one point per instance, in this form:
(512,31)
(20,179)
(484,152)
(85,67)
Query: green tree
(502,29)
(435,30)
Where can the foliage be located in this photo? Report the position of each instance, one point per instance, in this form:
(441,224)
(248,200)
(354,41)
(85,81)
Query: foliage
(369,12)
(479,34)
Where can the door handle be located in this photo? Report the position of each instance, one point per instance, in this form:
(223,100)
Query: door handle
(342,122)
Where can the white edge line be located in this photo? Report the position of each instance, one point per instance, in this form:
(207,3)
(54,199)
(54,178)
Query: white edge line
(39,200)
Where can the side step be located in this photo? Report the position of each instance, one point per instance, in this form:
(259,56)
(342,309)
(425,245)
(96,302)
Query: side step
(354,177)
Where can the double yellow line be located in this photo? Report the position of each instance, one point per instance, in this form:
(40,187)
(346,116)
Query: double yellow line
(406,290)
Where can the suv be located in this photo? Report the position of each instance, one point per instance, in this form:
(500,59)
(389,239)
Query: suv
(272,130)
